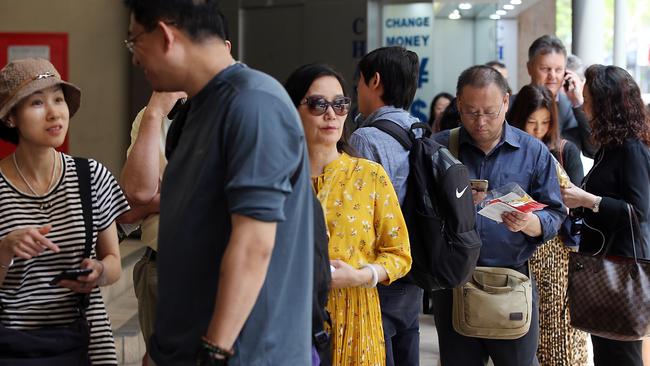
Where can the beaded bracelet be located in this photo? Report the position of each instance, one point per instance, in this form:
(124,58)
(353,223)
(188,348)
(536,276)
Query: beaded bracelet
(216,349)
(375,276)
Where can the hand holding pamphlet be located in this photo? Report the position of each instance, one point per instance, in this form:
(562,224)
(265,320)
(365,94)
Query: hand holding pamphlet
(509,198)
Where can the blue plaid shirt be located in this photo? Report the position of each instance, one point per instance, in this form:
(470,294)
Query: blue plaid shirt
(378,146)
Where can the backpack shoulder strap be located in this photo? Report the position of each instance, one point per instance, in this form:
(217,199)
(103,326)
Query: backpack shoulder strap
(454,141)
(562,143)
(397,132)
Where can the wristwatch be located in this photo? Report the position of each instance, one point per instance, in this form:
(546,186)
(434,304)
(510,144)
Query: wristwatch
(596,206)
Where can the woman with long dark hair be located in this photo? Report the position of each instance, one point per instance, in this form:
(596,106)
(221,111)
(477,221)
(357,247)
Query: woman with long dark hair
(535,112)
(619,178)
(368,240)
(438,105)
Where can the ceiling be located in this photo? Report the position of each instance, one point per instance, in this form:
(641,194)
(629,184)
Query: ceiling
(480,8)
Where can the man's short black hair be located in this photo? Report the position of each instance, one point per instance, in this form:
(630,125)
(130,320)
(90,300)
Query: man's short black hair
(199,18)
(398,69)
(480,76)
(544,45)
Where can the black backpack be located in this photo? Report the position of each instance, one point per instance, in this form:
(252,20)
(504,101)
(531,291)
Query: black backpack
(438,209)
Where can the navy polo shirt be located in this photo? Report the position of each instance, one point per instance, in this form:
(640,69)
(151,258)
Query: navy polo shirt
(240,142)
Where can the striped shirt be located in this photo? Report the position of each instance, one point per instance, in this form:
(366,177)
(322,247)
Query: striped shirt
(27,300)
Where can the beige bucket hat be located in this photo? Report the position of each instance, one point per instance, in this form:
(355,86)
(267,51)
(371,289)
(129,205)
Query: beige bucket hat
(21,78)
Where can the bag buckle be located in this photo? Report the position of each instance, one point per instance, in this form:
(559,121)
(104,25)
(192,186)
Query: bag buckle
(321,338)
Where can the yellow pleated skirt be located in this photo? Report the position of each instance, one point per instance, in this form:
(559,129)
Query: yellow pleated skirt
(357,333)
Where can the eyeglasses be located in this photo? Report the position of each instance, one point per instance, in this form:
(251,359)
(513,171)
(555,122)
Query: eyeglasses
(318,105)
(474,116)
(129,43)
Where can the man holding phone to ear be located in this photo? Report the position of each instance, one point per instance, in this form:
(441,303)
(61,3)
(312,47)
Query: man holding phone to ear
(547,58)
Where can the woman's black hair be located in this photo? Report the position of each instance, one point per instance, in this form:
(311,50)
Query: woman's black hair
(300,81)
(9,134)
(433,105)
(529,99)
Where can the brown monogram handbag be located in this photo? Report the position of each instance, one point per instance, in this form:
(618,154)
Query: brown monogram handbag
(609,296)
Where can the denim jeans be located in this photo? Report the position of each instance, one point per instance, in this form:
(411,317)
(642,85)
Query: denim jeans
(401,303)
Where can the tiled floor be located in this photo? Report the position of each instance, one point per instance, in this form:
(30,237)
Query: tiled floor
(429,351)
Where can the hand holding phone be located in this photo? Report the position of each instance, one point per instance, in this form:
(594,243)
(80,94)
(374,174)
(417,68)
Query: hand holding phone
(479,190)
(70,274)
(479,185)
(566,85)
(177,106)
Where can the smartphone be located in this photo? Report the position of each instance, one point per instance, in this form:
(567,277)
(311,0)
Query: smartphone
(177,106)
(70,274)
(479,185)
(567,83)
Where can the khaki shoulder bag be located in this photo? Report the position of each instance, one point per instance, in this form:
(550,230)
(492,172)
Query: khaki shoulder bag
(495,304)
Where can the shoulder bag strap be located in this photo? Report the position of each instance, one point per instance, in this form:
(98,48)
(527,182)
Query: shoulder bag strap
(635,226)
(635,231)
(83,174)
(454,142)
(562,143)
(397,132)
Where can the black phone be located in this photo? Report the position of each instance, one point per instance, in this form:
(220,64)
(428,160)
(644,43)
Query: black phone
(177,106)
(70,274)
(567,83)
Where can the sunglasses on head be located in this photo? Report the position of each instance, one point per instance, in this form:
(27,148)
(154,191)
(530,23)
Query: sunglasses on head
(318,105)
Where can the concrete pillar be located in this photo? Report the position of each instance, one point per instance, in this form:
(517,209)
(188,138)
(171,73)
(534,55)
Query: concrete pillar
(588,28)
(620,34)
(537,20)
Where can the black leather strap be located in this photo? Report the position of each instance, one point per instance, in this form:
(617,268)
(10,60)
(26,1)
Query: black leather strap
(83,174)
(296,173)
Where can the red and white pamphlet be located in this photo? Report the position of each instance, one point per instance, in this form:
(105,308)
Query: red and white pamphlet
(511,202)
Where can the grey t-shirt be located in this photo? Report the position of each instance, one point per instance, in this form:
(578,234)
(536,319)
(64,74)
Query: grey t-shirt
(241,142)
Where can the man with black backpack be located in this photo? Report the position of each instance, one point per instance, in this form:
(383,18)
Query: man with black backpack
(432,187)
(387,83)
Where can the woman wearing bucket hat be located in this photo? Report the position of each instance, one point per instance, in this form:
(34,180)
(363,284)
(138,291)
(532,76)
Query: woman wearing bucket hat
(56,214)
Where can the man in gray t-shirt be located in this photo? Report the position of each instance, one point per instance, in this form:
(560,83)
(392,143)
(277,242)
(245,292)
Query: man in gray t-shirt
(236,238)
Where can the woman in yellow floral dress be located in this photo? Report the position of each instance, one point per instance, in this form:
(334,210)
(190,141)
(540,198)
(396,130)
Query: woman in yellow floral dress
(368,237)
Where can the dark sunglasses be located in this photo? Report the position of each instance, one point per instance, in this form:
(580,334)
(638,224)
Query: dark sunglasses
(318,105)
